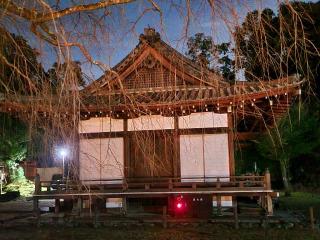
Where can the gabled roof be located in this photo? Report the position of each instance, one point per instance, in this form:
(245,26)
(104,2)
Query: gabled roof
(151,44)
(217,99)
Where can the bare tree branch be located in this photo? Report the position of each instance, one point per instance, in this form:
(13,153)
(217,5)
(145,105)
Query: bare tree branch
(40,17)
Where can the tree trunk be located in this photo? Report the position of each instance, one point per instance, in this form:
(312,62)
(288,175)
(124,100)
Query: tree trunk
(285,177)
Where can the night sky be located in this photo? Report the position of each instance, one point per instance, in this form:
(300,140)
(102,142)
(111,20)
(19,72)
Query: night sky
(120,29)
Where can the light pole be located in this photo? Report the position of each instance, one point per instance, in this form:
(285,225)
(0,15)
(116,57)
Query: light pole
(63,152)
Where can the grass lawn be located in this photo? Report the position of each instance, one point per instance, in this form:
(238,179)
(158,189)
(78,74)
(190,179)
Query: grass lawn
(301,201)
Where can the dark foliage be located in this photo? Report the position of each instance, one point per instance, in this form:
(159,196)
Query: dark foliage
(14,141)
(295,136)
(20,71)
(274,46)
(216,57)
(59,71)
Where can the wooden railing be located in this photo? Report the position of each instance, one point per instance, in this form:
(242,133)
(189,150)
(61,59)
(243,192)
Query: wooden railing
(147,184)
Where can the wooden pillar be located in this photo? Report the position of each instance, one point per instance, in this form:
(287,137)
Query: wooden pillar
(126,149)
(267,179)
(76,159)
(219,204)
(36,210)
(231,144)
(268,197)
(269,205)
(37,190)
(37,184)
(164,217)
(56,206)
(127,170)
(311,218)
(235,212)
(99,207)
(176,162)
(79,205)
(124,206)
(263,200)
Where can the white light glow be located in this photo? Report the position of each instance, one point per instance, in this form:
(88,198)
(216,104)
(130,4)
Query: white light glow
(63,152)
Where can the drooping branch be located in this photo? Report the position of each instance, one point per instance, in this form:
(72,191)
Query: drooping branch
(40,17)
(39,20)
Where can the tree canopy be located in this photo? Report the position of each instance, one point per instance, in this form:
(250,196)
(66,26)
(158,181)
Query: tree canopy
(272,46)
(216,57)
(14,141)
(287,140)
(20,71)
(60,71)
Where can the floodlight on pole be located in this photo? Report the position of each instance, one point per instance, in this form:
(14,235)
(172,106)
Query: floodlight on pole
(63,152)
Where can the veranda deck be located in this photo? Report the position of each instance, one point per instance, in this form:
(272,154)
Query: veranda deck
(234,186)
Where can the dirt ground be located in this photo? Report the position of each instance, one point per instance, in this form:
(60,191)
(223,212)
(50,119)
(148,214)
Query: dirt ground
(22,210)
(142,232)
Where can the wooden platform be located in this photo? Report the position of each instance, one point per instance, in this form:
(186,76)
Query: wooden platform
(153,187)
(95,190)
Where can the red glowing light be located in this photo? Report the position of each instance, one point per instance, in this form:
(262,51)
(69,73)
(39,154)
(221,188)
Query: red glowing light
(179,205)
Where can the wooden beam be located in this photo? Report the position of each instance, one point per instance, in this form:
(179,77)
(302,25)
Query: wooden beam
(181,73)
(176,163)
(231,144)
(235,212)
(196,131)
(57,206)
(126,148)
(164,217)
(101,135)
(174,131)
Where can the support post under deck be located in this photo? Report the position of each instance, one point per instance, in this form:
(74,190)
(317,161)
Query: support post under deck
(37,190)
(235,212)
(268,197)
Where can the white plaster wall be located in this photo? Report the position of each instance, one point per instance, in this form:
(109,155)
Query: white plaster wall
(101,159)
(112,156)
(150,122)
(114,203)
(216,155)
(105,124)
(226,201)
(89,159)
(191,156)
(203,120)
(204,155)
(220,120)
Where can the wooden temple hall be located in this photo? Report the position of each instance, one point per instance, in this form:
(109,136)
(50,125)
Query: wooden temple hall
(159,126)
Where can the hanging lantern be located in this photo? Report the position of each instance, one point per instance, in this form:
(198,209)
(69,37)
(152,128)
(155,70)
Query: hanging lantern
(299,91)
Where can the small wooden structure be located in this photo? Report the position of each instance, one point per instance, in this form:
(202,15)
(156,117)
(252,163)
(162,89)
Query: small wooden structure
(2,177)
(30,169)
(159,125)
